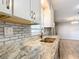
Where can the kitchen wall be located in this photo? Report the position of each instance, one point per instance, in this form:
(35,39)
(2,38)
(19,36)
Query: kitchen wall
(68,31)
(66,10)
(19,31)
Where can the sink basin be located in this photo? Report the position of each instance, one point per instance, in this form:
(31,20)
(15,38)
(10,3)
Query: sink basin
(48,40)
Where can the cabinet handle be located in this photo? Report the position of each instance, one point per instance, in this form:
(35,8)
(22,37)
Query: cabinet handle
(8,4)
(33,16)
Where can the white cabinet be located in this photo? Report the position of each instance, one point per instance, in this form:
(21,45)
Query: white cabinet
(22,9)
(36,10)
(46,19)
(47,14)
(6,6)
(1,5)
(26,9)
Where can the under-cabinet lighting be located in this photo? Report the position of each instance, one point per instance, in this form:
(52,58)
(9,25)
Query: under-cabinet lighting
(77,7)
(70,18)
(42,2)
(74,22)
(73,18)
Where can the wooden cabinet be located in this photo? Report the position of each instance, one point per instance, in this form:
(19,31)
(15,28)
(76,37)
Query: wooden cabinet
(6,6)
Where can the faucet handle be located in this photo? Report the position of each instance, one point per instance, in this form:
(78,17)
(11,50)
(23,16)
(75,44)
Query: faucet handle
(41,35)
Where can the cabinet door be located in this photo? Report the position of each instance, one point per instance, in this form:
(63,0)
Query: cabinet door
(1,5)
(36,9)
(22,9)
(7,6)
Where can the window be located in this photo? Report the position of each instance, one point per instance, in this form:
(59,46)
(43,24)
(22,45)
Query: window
(35,29)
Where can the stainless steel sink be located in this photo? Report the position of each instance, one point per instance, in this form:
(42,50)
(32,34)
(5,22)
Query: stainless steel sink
(48,40)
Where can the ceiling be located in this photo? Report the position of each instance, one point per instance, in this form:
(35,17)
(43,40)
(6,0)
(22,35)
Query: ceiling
(66,10)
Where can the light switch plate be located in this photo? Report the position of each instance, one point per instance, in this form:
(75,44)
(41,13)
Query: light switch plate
(8,31)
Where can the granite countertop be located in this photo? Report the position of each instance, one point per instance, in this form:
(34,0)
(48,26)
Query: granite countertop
(35,49)
(48,49)
(37,42)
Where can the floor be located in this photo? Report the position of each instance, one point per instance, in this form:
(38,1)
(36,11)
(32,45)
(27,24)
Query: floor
(69,49)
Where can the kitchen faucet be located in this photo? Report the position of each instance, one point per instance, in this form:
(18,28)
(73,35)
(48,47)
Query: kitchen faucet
(42,34)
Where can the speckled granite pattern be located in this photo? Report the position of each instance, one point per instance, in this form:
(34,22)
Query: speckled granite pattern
(33,49)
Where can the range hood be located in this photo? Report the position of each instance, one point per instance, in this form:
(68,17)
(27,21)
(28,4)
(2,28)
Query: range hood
(16,20)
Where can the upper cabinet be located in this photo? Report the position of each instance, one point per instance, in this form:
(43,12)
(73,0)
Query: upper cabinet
(1,4)
(47,15)
(22,9)
(36,10)
(25,9)
(6,6)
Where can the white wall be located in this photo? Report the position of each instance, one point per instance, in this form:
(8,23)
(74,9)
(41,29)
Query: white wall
(68,31)
(65,10)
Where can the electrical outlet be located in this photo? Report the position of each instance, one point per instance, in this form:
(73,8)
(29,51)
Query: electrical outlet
(8,31)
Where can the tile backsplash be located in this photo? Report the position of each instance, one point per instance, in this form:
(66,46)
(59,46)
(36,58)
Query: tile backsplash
(19,31)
